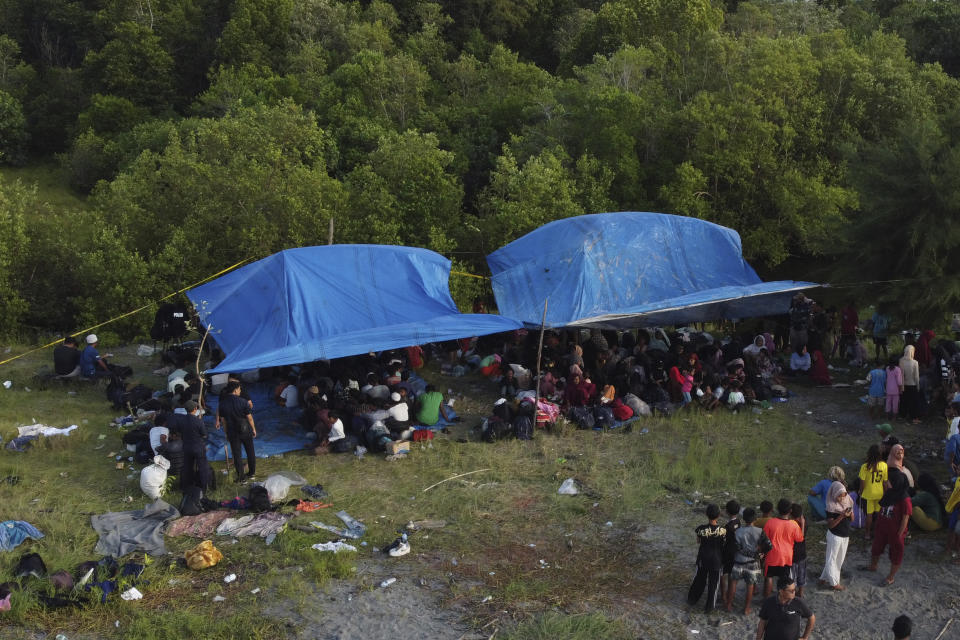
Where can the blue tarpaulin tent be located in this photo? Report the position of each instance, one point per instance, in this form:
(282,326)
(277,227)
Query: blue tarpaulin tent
(312,303)
(631,269)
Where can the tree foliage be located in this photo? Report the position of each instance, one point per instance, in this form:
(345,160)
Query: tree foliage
(209,131)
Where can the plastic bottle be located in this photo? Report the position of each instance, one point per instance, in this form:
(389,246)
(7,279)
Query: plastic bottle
(386,583)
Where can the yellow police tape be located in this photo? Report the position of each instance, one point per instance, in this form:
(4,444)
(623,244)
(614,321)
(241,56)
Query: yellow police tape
(459,273)
(129,313)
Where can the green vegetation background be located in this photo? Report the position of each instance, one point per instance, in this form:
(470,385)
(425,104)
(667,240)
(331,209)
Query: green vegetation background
(149,144)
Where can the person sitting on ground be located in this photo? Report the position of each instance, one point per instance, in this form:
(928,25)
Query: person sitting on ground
(289,396)
(374,390)
(508,384)
(800,361)
(66,358)
(736,398)
(819,372)
(578,393)
(817,498)
(158,433)
(431,407)
(91,364)
(928,509)
(399,413)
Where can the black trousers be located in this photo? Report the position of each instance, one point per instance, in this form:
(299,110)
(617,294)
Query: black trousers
(235,441)
(196,470)
(709,578)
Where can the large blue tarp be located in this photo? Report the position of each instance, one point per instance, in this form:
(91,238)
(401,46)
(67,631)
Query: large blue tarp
(631,269)
(313,303)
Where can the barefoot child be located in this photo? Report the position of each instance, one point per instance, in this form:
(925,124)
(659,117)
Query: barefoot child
(729,547)
(799,569)
(877,393)
(751,545)
(894,388)
(873,473)
(711,537)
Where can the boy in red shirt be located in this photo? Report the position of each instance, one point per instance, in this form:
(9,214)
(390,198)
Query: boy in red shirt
(783,533)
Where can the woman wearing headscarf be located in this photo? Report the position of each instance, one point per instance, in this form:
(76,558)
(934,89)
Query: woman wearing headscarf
(818,369)
(578,392)
(910,398)
(839,508)
(895,460)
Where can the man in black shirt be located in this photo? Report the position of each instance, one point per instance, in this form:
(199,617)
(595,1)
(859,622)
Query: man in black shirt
(235,412)
(781,613)
(193,433)
(66,358)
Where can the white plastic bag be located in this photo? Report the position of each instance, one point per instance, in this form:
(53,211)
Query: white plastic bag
(279,483)
(568,488)
(153,476)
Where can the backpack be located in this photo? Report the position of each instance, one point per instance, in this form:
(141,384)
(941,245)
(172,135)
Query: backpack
(496,429)
(523,427)
(259,499)
(582,417)
(603,417)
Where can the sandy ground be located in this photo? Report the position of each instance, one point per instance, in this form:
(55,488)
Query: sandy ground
(416,605)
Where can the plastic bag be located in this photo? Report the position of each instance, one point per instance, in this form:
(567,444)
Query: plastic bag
(568,488)
(278,484)
(202,556)
(153,476)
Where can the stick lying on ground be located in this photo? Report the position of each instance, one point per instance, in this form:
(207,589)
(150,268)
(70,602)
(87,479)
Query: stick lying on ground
(454,478)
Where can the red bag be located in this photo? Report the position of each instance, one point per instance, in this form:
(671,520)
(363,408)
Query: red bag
(422,434)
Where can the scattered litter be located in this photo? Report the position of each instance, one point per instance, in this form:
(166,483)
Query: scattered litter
(386,583)
(776,469)
(44,430)
(131,594)
(417,525)
(335,547)
(230,578)
(145,350)
(493,573)
(218,598)
(596,504)
(568,488)
(116,623)
(809,413)
(255,591)
(7,384)
(355,529)
(694,631)
(609,524)
(531,545)
(844,461)
(487,599)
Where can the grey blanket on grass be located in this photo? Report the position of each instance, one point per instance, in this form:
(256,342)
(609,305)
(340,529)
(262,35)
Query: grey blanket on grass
(124,532)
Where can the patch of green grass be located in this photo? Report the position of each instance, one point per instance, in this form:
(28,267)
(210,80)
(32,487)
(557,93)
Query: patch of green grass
(557,626)
(51,182)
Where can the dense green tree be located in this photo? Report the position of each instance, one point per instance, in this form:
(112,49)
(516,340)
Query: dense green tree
(133,65)
(14,199)
(13,130)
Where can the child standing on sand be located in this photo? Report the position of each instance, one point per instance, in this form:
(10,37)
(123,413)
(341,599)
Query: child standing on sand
(873,473)
(711,537)
(894,384)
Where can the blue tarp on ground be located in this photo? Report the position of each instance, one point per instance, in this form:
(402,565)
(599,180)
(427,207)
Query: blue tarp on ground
(277,428)
(631,269)
(314,303)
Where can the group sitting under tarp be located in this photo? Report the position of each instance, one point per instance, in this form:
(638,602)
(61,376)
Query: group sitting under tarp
(630,269)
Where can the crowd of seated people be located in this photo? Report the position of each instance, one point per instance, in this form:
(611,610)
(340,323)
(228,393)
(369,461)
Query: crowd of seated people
(631,373)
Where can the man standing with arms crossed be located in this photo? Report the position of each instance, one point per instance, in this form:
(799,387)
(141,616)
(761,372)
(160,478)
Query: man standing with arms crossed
(235,412)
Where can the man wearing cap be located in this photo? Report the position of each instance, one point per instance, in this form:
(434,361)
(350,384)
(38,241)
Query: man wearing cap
(193,433)
(781,613)
(91,364)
